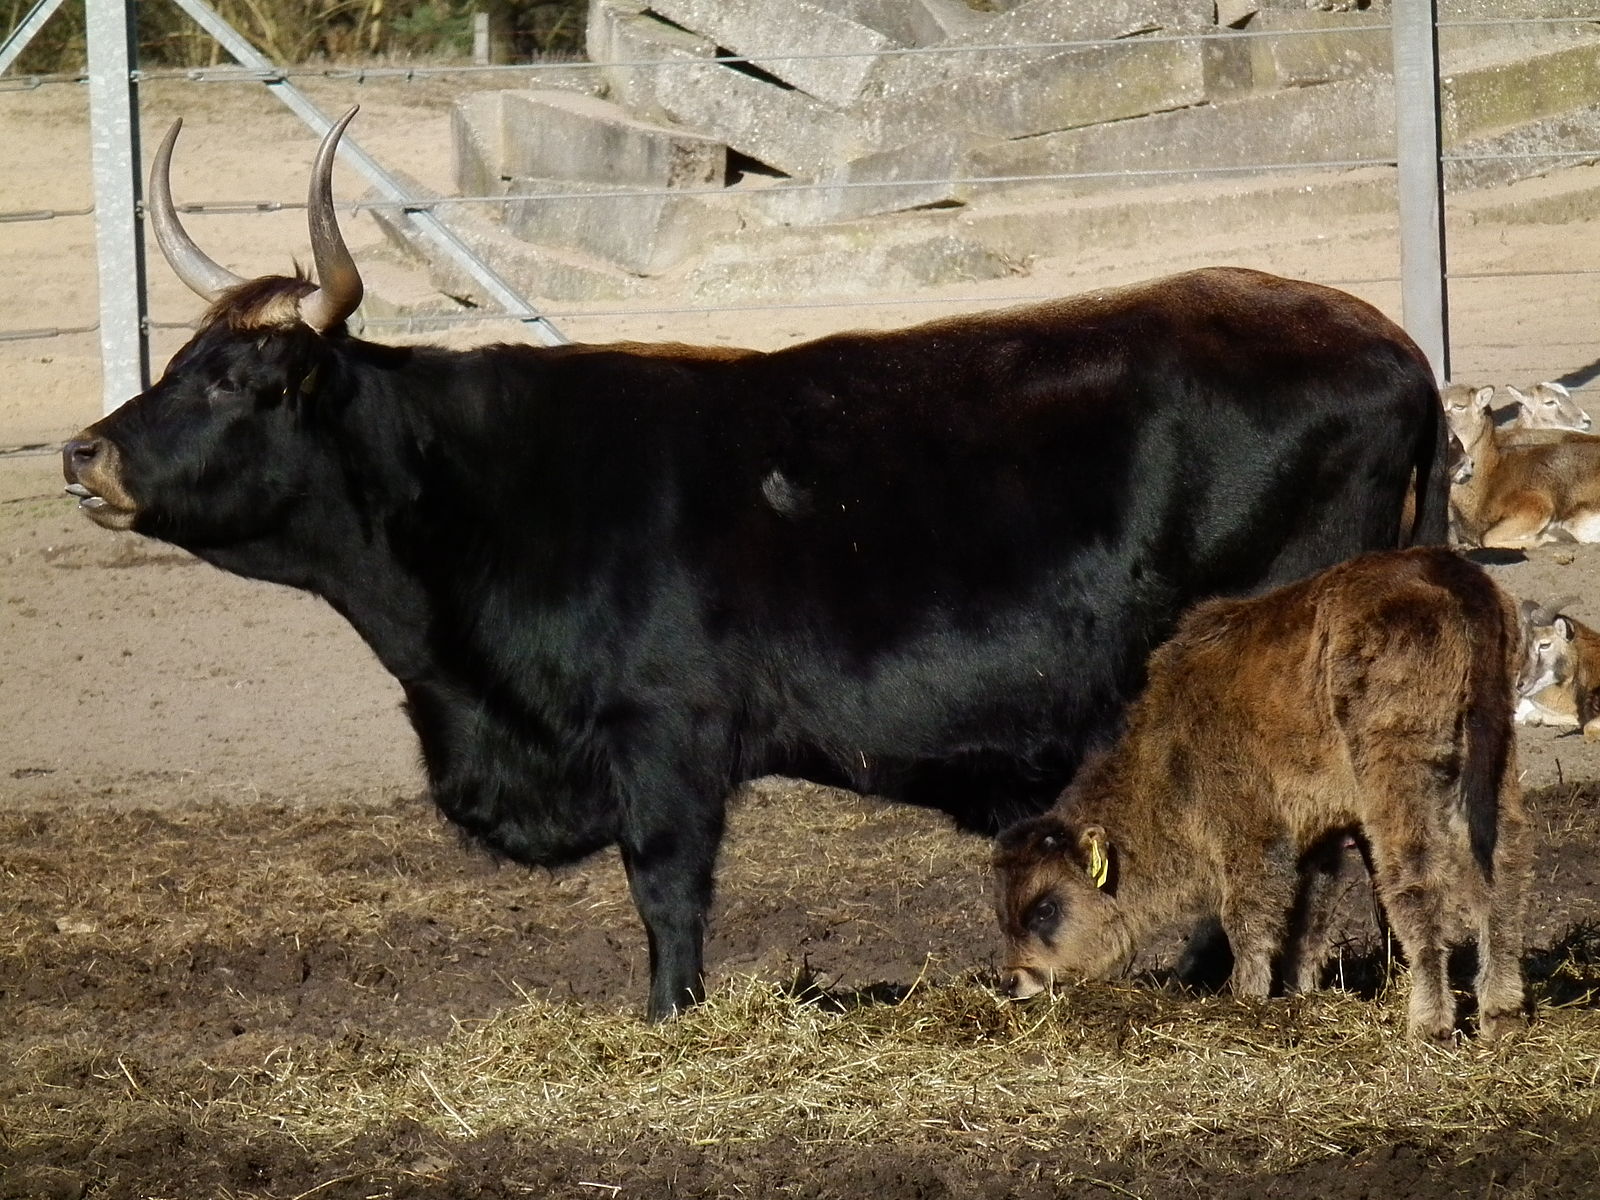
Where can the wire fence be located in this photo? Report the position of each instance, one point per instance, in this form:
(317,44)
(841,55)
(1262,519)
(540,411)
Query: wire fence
(503,75)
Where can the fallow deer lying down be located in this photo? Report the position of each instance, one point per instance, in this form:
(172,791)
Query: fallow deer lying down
(1559,683)
(1374,698)
(1548,406)
(1545,413)
(1522,494)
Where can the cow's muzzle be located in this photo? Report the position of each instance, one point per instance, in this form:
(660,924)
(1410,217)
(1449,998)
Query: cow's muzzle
(93,469)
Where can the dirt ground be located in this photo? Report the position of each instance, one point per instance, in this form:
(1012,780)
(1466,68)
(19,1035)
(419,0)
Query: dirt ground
(214,847)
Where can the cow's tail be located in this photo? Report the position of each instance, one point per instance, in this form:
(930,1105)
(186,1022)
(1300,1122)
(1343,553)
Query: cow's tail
(1430,461)
(1492,637)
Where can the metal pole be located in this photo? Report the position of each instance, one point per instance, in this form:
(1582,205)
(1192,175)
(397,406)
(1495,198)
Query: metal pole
(1424,299)
(426,224)
(119,239)
(23,33)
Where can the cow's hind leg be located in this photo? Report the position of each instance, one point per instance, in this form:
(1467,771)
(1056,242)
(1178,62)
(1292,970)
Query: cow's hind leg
(1501,1003)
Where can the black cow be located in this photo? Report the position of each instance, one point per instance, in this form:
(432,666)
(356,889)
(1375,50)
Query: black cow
(617,580)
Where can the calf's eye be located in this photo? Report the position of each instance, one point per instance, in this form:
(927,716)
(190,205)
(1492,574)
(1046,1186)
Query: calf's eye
(1043,916)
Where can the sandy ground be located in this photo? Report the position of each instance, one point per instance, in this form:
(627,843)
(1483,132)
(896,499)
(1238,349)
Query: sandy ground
(135,681)
(165,672)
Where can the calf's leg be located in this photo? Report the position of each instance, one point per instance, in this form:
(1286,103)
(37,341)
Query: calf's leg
(1403,871)
(1501,1003)
(1258,891)
(1311,921)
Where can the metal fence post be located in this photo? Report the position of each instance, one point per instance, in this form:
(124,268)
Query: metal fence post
(1424,301)
(119,239)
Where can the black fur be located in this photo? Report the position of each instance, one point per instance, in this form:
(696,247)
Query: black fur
(615,581)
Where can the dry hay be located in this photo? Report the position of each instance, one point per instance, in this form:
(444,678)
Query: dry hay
(1128,1081)
(1157,1082)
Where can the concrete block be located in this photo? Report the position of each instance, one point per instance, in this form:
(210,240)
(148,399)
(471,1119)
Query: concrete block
(627,35)
(1227,66)
(477,143)
(534,271)
(937,21)
(600,27)
(859,258)
(1344,121)
(1485,100)
(642,232)
(796,30)
(1120,224)
(1017,94)
(915,176)
(1480,163)
(911,22)
(1232,14)
(781,127)
(1559,198)
(1318,48)
(554,135)
(1055,21)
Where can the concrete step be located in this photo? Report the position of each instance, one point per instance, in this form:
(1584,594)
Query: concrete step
(1022,228)
(907,252)
(1501,99)
(1555,198)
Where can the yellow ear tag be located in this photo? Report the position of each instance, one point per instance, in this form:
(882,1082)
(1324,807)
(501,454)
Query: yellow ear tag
(1099,864)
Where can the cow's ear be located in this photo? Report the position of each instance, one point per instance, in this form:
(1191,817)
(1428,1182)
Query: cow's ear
(1097,851)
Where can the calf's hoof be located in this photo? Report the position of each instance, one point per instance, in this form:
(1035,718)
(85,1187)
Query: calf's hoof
(1493,1027)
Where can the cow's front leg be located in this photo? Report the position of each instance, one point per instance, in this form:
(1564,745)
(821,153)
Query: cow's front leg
(670,864)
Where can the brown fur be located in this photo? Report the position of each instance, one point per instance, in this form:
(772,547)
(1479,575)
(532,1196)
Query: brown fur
(1559,683)
(1524,494)
(1375,696)
(271,302)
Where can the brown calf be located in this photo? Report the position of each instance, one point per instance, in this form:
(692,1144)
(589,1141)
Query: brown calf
(1376,697)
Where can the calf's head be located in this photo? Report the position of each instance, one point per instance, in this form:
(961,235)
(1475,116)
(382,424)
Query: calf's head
(1056,887)
(214,451)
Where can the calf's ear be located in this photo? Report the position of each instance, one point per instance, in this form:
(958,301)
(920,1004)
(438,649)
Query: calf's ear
(1096,848)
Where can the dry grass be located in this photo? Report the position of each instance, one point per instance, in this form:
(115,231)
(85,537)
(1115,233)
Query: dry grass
(1153,1081)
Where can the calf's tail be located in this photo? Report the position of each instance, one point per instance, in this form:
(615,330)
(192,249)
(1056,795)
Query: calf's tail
(1492,637)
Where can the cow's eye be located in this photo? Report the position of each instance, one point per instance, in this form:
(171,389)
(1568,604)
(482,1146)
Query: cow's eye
(1043,917)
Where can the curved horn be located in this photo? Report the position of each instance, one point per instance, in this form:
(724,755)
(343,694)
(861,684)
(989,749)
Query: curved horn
(338,282)
(191,264)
